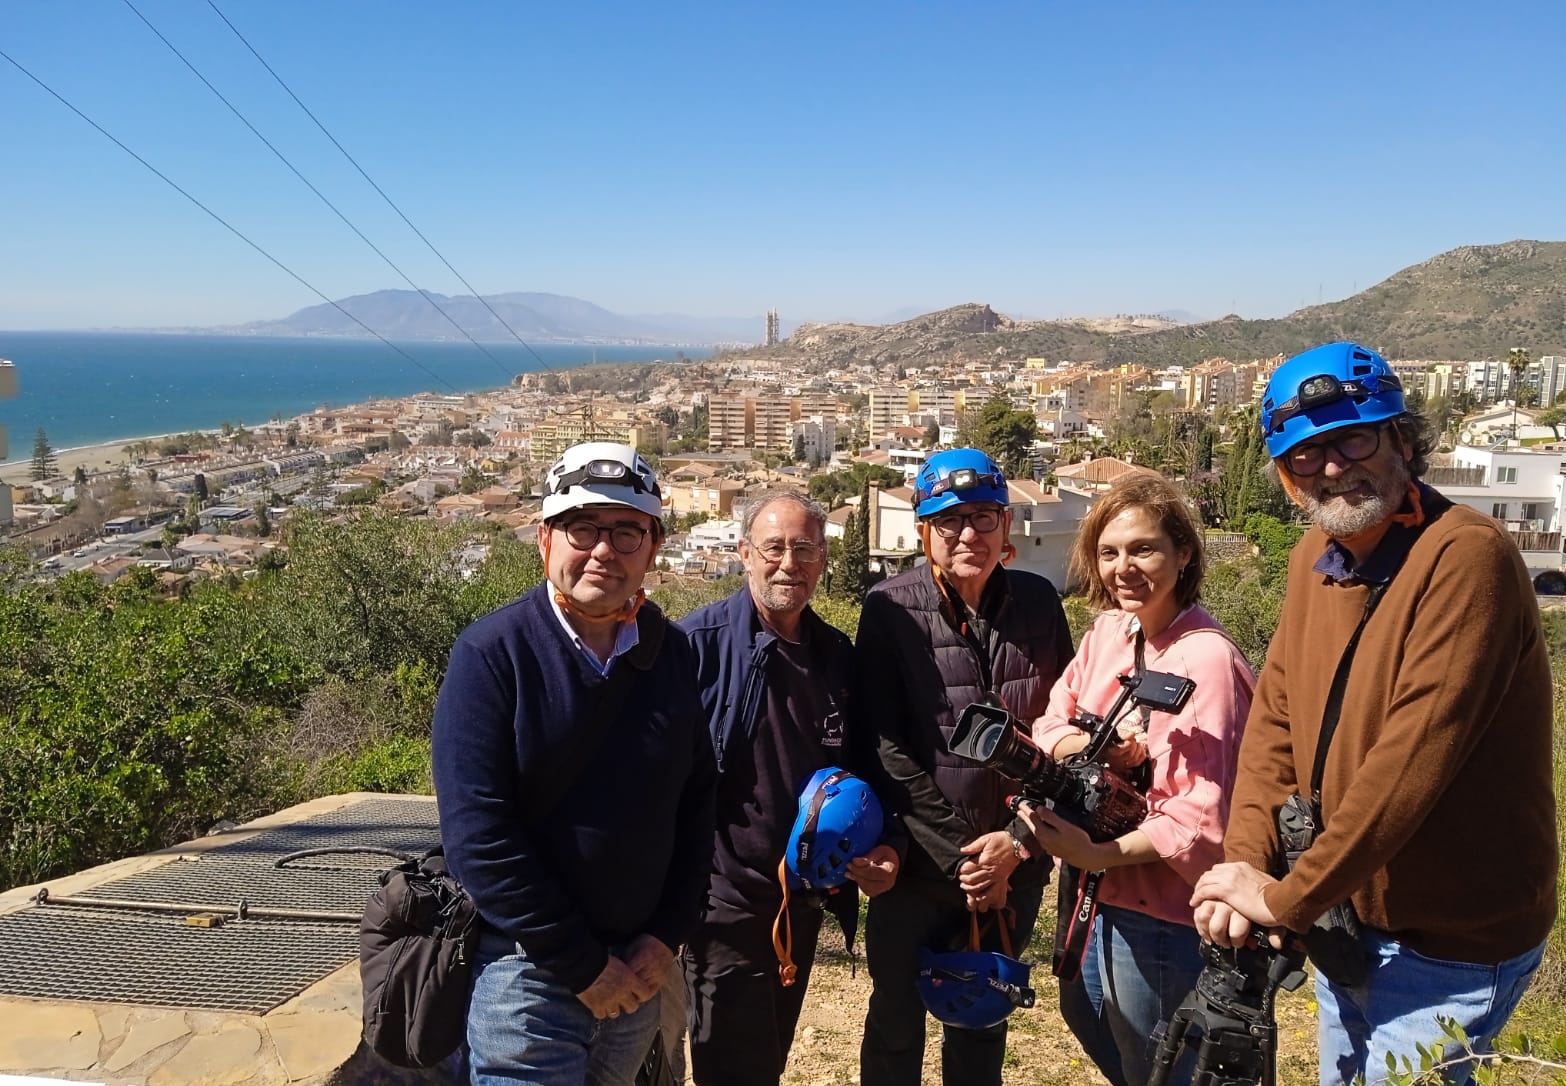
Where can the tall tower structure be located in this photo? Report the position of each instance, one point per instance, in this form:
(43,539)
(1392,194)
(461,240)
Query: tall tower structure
(7,391)
(772,327)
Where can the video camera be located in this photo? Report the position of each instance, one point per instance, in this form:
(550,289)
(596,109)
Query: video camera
(1081,789)
(1232,1008)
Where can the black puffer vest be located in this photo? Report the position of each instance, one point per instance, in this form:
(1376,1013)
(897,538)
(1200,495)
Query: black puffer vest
(944,666)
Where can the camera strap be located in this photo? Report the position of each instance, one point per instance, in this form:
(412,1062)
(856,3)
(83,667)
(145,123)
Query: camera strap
(1076,905)
(1334,707)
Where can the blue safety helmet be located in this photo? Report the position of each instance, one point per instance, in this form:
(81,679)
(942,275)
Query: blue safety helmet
(839,819)
(972,989)
(1328,388)
(958,476)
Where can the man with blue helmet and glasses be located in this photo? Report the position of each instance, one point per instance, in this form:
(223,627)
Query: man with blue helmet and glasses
(1422,771)
(776,683)
(957,629)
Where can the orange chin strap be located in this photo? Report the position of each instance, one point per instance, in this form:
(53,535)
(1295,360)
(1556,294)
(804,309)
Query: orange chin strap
(1008,552)
(783,933)
(565,603)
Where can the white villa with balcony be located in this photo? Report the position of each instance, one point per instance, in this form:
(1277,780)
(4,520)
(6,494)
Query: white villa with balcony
(1523,488)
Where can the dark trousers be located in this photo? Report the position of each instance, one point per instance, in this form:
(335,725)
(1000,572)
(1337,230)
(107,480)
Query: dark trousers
(910,916)
(742,1019)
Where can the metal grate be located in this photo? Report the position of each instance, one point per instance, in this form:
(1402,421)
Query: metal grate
(215,884)
(119,956)
(124,955)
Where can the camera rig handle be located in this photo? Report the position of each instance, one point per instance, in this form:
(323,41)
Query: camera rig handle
(1101,729)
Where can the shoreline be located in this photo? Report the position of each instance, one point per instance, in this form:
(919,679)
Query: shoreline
(106,455)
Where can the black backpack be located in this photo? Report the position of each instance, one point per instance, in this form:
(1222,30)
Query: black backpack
(417,941)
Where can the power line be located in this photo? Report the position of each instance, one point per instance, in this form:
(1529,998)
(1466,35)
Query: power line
(389,202)
(319,194)
(230,227)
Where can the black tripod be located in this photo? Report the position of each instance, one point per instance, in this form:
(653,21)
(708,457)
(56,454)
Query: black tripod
(1232,1008)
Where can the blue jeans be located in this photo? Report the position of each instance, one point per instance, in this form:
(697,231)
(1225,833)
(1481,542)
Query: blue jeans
(1397,1006)
(525,1026)
(1136,972)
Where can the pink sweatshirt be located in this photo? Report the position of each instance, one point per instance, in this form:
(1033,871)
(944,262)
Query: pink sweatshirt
(1193,752)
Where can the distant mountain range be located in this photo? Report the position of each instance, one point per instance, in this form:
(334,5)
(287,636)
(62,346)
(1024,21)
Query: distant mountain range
(1473,302)
(543,318)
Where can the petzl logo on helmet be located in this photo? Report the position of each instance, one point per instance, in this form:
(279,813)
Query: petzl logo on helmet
(839,820)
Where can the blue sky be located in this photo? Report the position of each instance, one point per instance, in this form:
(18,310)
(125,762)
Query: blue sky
(834,160)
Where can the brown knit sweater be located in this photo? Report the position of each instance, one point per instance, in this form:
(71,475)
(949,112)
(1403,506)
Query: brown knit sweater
(1437,797)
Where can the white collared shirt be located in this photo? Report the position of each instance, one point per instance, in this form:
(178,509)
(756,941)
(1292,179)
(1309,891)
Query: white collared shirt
(626,637)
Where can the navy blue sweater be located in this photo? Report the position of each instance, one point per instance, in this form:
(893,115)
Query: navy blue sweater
(570,862)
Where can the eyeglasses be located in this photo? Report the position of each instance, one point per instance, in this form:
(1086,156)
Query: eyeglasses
(805,553)
(1324,388)
(950,525)
(1355,444)
(585,534)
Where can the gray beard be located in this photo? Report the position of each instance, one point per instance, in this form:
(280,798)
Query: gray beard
(1340,520)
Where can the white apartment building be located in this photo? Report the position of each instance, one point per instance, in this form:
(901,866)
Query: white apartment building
(715,535)
(814,437)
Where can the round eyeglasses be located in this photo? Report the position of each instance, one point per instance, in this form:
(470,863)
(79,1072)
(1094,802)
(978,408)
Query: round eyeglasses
(805,553)
(585,534)
(1354,444)
(950,525)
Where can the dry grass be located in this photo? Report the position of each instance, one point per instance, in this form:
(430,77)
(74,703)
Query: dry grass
(1040,1050)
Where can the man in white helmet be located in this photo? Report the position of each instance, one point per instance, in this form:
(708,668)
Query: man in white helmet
(575,781)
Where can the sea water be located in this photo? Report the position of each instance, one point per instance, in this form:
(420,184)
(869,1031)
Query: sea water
(93,388)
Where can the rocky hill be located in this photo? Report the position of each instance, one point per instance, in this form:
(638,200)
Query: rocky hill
(1472,302)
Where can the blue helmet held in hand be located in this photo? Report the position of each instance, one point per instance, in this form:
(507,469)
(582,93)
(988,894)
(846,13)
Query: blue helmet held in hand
(839,820)
(972,989)
(955,477)
(1328,388)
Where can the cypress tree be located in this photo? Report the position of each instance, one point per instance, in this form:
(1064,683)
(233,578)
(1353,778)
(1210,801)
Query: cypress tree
(852,579)
(44,463)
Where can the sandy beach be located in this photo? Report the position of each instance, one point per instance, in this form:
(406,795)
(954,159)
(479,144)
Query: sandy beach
(94,458)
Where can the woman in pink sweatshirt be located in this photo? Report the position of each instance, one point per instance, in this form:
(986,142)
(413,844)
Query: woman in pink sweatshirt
(1139,556)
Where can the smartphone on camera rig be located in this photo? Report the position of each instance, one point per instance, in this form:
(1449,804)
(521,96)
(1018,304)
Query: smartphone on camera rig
(1080,789)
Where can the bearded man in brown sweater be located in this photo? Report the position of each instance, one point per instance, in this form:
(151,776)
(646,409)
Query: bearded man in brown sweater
(1412,623)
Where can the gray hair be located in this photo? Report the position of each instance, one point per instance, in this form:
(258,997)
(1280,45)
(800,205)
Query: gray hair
(814,511)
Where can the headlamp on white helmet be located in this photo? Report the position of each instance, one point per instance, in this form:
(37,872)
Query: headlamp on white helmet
(601,473)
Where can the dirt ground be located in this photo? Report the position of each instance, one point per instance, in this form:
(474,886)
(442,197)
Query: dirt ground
(1040,1050)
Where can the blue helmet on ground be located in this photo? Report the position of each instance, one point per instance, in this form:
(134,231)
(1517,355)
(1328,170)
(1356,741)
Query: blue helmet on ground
(972,989)
(839,820)
(1328,388)
(958,476)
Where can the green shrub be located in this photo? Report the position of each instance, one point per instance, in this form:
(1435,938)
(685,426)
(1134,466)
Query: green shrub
(398,764)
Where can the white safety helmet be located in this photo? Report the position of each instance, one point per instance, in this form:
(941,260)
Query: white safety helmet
(601,473)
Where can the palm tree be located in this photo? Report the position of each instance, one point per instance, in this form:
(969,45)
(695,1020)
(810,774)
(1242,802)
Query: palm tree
(1517,361)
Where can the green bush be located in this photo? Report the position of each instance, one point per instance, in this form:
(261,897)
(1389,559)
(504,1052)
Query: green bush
(398,764)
